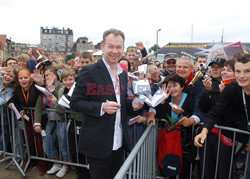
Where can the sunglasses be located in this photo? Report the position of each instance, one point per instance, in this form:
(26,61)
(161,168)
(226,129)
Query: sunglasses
(171,62)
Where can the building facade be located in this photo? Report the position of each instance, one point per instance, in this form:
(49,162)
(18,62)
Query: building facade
(56,40)
(83,45)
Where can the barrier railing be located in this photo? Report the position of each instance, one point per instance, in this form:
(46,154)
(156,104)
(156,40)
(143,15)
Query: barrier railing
(20,153)
(141,161)
(138,165)
(233,152)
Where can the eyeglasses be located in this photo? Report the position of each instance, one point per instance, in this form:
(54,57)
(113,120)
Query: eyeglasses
(171,62)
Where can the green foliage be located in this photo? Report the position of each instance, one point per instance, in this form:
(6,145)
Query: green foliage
(70,56)
(154,48)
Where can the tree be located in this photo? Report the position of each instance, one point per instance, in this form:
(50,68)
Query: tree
(154,48)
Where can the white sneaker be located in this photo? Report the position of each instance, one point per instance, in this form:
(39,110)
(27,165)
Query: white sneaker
(62,172)
(54,169)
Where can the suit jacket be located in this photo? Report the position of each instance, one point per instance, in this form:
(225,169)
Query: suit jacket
(93,87)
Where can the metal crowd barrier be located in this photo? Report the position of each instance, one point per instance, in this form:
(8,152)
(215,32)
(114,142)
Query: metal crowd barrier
(141,162)
(20,154)
(235,132)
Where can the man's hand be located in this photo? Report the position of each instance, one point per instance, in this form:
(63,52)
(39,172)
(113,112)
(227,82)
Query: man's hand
(10,106)
(110,107)
(207,84)
(138,105)
(186,122)
(38,128)
(200,138)
(139,45)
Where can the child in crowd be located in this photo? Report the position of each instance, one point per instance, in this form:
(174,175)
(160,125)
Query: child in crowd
(25,97)
(82,60)
(74,122)
(8,81)
(55,126)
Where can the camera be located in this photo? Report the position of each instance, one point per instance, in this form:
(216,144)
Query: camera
(204,69)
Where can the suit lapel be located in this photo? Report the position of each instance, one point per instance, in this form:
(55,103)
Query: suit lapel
(106,76)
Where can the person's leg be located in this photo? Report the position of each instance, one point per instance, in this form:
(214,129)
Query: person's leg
(63,146)
(49,141)
(210,157)
(99,167)
(224,161)
(116,162)
(105,168)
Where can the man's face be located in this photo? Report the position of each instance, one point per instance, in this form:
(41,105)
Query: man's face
(183,68)
(242,74)
(85,61)
(40,50)
(11,63)
(170,65)
(130,56)
(216,71)
(113,49)
(200,61)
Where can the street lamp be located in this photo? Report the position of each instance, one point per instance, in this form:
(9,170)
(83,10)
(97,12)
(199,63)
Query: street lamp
(157,31)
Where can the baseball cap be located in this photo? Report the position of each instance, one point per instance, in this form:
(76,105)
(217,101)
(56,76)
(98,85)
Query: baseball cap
(170,56)
(219,61)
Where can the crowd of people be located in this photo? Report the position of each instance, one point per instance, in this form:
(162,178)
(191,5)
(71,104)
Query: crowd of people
(217,92)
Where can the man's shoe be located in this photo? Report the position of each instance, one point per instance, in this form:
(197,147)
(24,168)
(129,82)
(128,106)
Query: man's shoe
(54,169)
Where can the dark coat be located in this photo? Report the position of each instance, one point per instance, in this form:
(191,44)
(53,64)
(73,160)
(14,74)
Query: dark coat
(230,104)
(93,87)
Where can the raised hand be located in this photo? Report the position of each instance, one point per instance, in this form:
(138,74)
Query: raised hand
(166,90)
(139,45)
(37,77)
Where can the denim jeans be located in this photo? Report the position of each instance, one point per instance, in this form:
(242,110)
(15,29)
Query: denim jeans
(50,139)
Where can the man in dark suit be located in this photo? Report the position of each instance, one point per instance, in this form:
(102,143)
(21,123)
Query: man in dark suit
(101,94)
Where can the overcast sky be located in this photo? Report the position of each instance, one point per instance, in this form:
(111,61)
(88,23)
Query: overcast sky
(138,19)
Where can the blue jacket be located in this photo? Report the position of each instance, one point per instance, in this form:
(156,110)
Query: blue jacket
(196,91)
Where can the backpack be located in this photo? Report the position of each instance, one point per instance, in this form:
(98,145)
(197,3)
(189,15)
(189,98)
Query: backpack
(170,151)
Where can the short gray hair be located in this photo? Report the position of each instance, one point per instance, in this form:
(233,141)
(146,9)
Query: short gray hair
(186,58)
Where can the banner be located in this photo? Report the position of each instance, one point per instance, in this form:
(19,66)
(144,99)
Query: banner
(211,50)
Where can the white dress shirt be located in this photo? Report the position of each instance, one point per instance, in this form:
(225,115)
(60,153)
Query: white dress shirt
(118,125)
